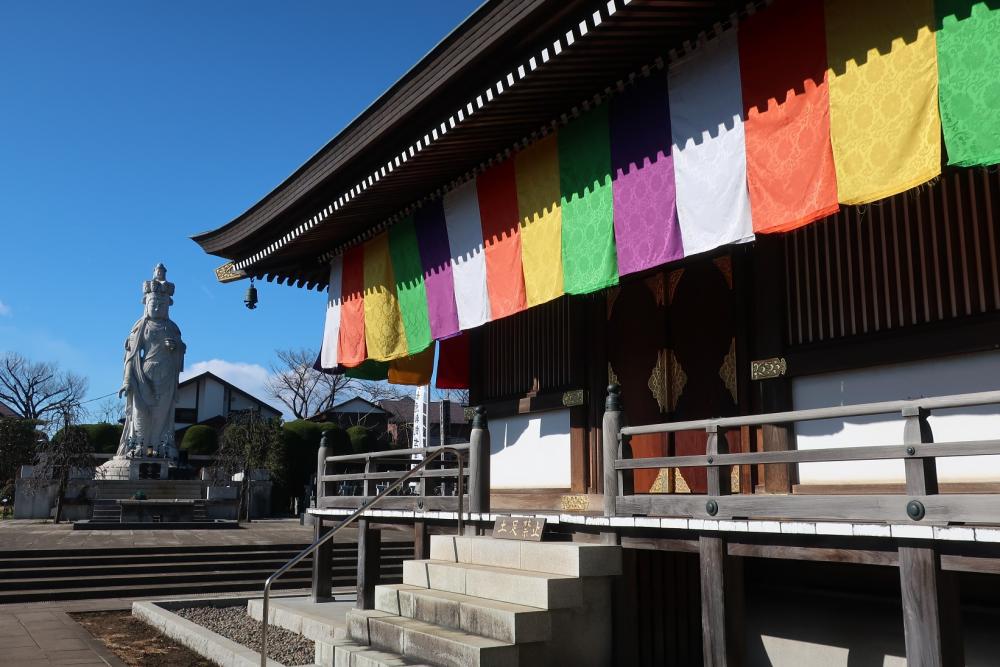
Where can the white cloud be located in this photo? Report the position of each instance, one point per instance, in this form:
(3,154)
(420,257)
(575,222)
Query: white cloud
(251,378)
(5,310)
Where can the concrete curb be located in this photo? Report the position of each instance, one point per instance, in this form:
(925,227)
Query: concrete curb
(204,642)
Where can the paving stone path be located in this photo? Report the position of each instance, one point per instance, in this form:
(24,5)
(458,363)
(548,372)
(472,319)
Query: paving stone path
(38,636)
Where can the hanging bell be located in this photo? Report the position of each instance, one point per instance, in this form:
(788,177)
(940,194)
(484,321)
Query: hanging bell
(251,298)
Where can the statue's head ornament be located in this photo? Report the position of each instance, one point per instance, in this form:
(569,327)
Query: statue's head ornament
(159,284)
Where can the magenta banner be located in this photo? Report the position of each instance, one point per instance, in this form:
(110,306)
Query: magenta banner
(646,230)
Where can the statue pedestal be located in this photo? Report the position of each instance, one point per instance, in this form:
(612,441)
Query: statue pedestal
(135,468)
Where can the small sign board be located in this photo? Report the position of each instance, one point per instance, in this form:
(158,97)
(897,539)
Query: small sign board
(519,528)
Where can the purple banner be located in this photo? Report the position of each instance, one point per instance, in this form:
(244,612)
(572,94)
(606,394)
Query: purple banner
(435,257)
(646,230)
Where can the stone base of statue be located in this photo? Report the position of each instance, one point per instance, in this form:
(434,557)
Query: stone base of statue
(123,468)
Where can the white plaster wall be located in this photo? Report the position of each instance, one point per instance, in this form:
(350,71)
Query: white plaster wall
(530,451)
(212,400)
(187,396)
(241,402)
(938,377)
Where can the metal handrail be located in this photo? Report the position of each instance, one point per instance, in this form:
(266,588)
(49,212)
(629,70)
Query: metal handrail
(343,524)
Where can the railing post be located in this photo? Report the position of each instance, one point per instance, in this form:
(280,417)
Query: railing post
(366,485)
(321,468)
(323,558)
(921,472)
(717,444)
(931,616)
(611,430)
(479,463)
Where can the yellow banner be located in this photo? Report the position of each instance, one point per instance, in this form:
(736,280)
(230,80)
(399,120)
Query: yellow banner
(884,121)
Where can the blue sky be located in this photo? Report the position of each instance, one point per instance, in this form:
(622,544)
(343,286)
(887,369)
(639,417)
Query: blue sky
(127,126)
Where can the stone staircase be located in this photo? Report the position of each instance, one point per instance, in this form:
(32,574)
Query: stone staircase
(484,602)
(106,511)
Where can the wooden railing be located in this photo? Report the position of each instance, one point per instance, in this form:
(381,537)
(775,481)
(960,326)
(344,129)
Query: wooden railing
(921,502)
(349,481)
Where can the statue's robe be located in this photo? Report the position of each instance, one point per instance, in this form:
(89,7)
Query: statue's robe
(152,371)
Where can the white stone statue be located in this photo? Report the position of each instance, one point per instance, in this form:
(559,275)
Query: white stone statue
(154,358)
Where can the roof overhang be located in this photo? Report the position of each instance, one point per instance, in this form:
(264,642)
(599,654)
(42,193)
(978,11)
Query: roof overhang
(511,69)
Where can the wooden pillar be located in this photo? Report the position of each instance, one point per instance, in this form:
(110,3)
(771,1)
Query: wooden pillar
(369,557)
(931,613)
(769,315)
(722,603)
(322,573)
(479,463)
(421,544)
(611,429)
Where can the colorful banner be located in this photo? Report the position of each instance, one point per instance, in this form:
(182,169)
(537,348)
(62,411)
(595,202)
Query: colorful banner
(331,328)
(501,224)
(468,261)
(537,172)
(706,125)
(453,363)
(435,257)
(409,275)
(369,370)
(884,121)
(759,129)
(351,350)
(588,229)
(415,371)
(645,198)
(790,172)
(968,51)
(384,333)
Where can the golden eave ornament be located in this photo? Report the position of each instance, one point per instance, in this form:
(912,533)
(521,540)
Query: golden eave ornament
(228,273)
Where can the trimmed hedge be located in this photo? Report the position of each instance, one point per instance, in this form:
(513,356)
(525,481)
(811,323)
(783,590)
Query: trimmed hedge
(200,439)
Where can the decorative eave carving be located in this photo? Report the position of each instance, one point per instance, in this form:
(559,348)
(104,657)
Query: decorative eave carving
(228,273)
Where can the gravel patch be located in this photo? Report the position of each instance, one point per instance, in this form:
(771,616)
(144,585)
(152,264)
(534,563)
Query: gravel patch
(234,623)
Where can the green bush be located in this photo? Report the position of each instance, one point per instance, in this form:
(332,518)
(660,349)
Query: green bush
(361,439)
(104,437)
(200,439)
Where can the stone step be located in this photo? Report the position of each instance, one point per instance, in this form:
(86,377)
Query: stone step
(503,621)
(567,558)
(351,654)
(533,589)
(419,640)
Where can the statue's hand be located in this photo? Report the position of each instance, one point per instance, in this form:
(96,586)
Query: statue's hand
(121,392)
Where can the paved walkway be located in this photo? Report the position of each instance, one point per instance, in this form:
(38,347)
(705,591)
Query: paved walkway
(29,534)
(23,534)
(35,636)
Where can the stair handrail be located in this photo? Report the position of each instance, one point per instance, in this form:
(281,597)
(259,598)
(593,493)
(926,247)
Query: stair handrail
(309,550)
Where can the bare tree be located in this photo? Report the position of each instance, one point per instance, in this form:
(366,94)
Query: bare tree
(459,396)
(250,442)
(39,390)
(300,387)
(380,390)
(109,411)
(18,439)
(59,458)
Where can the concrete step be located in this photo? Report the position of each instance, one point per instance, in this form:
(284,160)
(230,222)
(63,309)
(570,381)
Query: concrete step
(351,654)
(503,621)
(419,640)
(534,589)
(567,558)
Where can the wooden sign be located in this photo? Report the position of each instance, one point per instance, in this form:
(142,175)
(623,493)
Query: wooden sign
(519,528)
